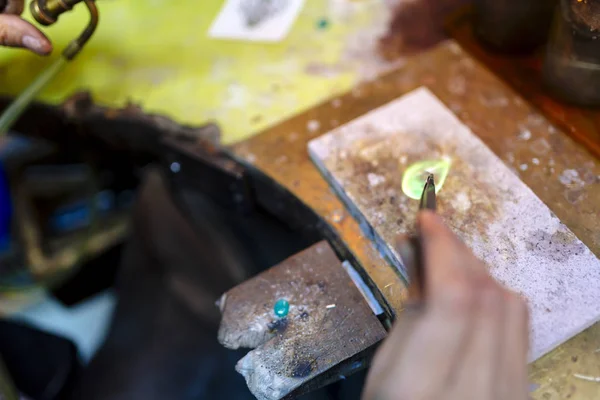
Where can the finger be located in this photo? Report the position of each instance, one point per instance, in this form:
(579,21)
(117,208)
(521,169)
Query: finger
(442,334)
(445,255)
(475,375)
(13,7)
(16,32)
(428,357)
(439,336)
(512,374)
(389,353)
(391,349)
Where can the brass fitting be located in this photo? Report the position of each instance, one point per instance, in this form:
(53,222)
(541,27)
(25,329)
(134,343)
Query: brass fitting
(46,12)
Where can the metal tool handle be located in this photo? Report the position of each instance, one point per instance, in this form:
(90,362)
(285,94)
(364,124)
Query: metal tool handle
(411,253)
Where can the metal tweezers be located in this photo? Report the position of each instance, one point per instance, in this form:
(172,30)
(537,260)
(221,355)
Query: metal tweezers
(411,251)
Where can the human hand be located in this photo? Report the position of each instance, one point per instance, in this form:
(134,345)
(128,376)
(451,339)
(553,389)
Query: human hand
(469,341)
(16,32)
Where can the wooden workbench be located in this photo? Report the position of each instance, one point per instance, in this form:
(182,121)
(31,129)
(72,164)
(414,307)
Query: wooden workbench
(563,174)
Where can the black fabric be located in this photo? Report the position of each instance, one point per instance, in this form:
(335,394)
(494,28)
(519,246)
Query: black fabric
(42,366)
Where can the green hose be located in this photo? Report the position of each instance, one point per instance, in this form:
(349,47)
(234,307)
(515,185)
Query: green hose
(16,108)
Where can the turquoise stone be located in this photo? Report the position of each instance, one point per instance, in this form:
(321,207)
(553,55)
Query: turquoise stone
(281,308)
(323,23)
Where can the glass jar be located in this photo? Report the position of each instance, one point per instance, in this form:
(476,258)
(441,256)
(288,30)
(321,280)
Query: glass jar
(572,64)
(513,26)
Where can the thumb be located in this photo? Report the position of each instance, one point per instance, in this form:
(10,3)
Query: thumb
(16,32)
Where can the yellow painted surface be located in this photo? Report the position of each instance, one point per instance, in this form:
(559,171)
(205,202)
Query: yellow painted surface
(157,53)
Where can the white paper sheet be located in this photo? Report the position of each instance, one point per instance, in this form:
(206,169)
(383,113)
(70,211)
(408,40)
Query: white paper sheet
(256,20)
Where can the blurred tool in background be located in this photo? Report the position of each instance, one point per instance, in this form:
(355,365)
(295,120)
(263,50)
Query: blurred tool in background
(16,151)
(58,209)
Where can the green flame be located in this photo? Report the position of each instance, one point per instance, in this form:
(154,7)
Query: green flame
(415,175)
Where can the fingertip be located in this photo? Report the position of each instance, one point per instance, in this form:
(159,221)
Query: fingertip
(39,45)
(45,48)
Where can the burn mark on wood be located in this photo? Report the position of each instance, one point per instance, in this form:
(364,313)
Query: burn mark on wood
(302,369)
(278,326)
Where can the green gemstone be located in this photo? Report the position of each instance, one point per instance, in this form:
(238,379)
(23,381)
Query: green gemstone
(416,174)
(323,23)
(281,308)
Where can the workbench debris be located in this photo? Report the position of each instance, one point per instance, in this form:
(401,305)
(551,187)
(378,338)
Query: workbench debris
(497,215)
(328,331)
